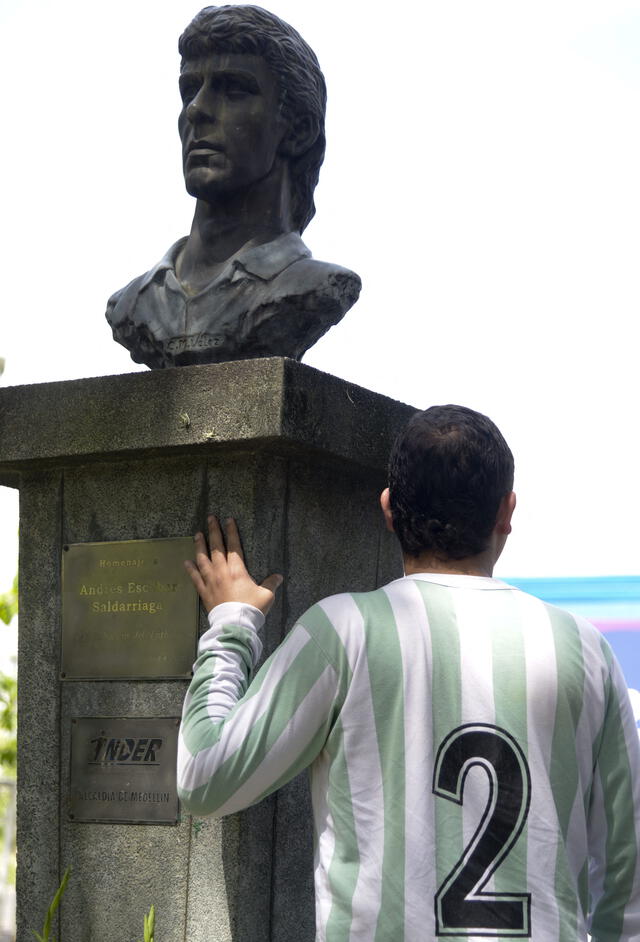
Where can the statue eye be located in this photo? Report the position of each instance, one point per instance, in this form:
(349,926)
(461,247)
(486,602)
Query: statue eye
(188,90)
(237,88)
(236,93)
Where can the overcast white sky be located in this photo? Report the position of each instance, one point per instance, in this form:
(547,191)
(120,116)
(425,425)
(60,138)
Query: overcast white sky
(482,176)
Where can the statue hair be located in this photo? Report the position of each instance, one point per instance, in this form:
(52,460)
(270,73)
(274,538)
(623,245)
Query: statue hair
(250,30)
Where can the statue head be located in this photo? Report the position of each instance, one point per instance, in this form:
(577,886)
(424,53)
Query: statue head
(250,30)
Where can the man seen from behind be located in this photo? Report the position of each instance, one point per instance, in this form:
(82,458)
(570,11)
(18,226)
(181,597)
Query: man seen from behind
(475,765)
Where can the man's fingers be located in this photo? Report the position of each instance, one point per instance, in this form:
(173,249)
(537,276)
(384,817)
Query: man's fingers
(233,538)
(216,539)
(202,554)
(194,572)
(219,573)
(272,582)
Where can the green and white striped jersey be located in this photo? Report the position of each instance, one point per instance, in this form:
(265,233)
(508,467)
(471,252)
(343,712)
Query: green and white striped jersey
(475,765)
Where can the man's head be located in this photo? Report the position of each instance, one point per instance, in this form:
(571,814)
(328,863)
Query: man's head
(449,472)
(252,31)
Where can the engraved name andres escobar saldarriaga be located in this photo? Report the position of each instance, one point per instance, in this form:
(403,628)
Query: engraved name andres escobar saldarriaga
(128,610)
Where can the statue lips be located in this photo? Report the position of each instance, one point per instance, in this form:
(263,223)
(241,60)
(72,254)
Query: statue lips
(203,149)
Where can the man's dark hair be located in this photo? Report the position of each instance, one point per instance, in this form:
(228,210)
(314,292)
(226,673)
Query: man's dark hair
(448,471)
(253,31)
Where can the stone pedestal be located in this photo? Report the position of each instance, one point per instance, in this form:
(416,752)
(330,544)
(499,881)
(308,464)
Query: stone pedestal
(299,458)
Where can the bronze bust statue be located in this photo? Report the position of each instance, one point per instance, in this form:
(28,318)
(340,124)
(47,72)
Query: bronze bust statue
(242,284)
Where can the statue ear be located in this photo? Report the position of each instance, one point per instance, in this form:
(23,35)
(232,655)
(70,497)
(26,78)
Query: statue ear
(300,136)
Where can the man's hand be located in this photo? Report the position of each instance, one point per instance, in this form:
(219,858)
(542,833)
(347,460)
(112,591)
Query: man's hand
(222,576)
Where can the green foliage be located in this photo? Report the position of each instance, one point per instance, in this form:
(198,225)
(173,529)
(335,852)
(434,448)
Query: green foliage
(149,925)
(8,700)
(45,935)
(55,902)
(8,691)
(9,603)
(8,723)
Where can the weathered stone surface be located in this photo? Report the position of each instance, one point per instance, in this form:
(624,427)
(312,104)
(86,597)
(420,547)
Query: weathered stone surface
(300,464)
(241,405)
(119,870)
(39,865)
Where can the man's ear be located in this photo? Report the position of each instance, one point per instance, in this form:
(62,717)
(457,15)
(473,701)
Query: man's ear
(505,513)
(300,136)
(385,503)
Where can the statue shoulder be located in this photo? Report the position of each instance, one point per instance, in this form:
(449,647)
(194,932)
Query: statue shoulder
(309,276)
(298,306)
(121,301)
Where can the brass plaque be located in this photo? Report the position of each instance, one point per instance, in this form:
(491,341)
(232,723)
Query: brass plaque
(129,610)
(123,769)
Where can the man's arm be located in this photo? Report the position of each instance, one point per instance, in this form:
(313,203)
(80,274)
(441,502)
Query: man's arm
(238,742)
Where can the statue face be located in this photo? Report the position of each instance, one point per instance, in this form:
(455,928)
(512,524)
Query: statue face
(230,124)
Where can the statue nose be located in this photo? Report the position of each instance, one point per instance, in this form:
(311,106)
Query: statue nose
(200,108)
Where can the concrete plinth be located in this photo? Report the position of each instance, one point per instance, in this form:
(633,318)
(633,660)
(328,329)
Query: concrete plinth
(298,457)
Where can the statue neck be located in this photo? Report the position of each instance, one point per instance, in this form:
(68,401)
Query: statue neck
(220,228)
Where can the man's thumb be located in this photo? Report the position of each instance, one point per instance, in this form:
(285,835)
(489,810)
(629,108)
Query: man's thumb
(273,582)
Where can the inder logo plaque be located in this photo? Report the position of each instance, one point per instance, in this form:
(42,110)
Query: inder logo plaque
(123,769)
(129,610)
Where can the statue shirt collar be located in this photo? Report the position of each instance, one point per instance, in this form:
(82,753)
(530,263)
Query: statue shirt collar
(263,261)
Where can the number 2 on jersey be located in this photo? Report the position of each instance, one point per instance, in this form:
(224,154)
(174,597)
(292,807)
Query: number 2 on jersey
(462,906)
